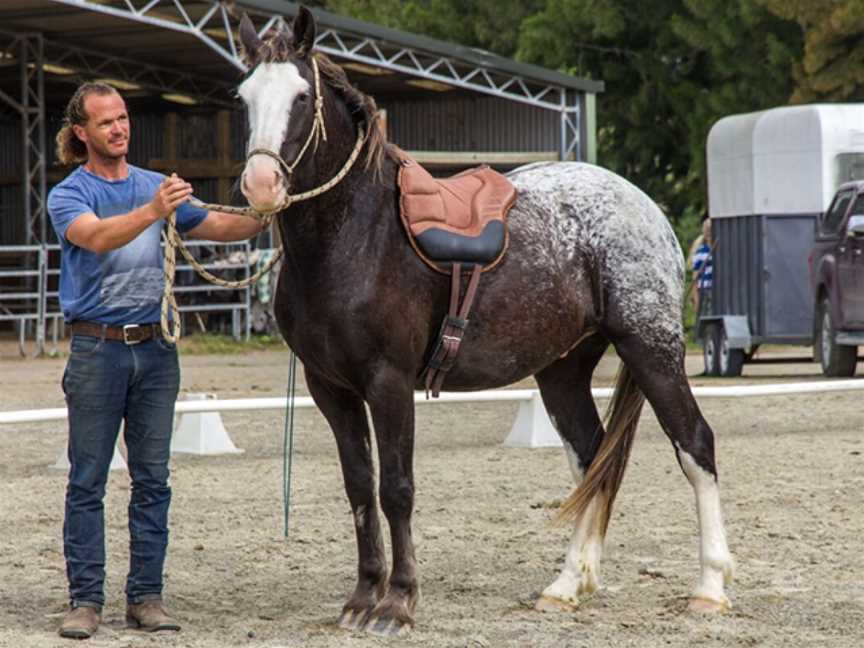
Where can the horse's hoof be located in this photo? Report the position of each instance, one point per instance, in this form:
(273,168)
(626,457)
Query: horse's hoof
(352,619)
(383,627)
(549,604)
(706,606)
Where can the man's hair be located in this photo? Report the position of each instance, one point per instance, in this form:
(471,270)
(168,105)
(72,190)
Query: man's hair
(70,149)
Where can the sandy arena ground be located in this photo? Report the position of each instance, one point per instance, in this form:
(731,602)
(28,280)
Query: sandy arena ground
(791,471)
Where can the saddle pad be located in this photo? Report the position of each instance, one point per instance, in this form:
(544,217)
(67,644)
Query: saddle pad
(458,219)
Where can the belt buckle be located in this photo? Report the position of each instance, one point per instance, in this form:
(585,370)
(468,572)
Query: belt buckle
(127,328)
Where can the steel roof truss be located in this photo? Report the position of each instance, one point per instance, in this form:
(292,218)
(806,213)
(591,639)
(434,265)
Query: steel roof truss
(441,69)
(172,14)
(163,80)
(226,24)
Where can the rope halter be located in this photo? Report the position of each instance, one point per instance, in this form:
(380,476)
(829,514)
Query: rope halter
(317,133)
(173,241)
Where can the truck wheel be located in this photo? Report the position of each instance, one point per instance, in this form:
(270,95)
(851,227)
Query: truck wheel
(709,350)
(837,361)
(731,361)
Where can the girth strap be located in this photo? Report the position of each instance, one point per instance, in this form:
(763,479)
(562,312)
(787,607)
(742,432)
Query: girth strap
(452,329)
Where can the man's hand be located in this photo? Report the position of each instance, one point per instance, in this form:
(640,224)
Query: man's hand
(172,193)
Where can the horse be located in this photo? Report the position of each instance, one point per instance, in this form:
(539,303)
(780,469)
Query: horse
(592,262)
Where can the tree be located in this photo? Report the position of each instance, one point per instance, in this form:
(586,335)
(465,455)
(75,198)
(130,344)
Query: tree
(652,81)
(832,68)
(488,24)
(748,57)
(671,68)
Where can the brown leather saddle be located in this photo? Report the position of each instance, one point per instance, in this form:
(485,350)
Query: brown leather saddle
(454,223)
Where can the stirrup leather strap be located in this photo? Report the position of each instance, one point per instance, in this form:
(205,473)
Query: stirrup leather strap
(452,329)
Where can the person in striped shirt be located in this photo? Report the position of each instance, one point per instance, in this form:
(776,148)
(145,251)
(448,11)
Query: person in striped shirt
(703,270)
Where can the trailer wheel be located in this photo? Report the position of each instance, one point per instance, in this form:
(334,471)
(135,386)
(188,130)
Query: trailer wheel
(838,361)
(710,346)
(730,361)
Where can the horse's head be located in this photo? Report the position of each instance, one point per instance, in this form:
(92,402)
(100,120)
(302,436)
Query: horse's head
(280,96)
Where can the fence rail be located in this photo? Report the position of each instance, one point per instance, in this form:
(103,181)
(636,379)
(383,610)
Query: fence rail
(30,278)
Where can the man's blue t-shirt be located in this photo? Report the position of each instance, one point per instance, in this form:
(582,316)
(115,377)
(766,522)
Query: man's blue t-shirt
(123,286)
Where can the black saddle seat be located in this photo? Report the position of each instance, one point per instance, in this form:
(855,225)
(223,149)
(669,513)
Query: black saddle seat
(443,246)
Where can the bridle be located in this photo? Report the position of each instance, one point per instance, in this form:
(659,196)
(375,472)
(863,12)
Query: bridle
(174,242)
(316,133)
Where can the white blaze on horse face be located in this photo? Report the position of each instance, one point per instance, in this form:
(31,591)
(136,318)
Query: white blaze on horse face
(270,93)
(716,561)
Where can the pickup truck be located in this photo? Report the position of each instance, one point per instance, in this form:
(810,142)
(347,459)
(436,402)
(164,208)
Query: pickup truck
(837,280)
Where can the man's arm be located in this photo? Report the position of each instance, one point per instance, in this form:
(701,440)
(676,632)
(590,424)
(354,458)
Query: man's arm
(219,226)
(98,235)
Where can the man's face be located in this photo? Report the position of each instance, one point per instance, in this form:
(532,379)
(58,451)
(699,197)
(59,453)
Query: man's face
(106,132)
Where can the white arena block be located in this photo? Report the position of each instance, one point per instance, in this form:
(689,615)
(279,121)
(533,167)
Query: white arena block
(202,433)
(117,461)
(532,428)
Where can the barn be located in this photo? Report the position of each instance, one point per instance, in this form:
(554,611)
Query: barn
(176,62)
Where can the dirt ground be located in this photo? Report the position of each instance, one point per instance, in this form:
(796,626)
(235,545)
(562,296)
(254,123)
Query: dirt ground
(791,471)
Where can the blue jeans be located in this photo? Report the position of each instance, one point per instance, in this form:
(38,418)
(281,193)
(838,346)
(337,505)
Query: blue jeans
(106,383)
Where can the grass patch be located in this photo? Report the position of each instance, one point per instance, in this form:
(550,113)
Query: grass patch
(213,343)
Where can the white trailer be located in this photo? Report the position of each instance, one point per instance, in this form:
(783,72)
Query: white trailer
(771,175)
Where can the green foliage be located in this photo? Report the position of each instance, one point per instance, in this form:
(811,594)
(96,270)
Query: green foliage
(214,343)
(832,68)
(672,68)
(491,25)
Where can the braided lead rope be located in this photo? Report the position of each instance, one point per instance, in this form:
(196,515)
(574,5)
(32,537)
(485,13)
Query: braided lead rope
(218,281)
(173,242)
(168,298)
(266,217)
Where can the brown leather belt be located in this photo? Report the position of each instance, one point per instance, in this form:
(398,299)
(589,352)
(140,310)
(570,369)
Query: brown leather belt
(130,333)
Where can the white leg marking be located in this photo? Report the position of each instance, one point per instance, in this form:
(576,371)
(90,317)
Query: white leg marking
(717,566)
(575,464)
(580,574)
(360,517)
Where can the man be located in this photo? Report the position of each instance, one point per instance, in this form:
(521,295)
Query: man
(108,216)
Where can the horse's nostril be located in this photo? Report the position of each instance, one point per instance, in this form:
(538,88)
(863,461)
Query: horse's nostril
(277,180)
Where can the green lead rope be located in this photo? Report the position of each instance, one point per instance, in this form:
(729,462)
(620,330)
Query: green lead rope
(288,443)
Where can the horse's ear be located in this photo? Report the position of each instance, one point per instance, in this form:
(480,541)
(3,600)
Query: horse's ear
(249,38)
(304,31)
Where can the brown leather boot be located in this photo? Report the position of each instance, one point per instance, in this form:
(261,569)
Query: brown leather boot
(150,616)
(80,623)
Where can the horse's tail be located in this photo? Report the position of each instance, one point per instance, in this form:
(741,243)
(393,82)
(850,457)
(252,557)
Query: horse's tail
(606,471)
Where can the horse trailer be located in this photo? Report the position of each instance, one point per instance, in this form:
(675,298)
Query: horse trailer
(771,176)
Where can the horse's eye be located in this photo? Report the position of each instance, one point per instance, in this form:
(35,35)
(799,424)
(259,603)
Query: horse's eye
(303,97)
